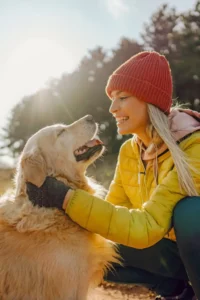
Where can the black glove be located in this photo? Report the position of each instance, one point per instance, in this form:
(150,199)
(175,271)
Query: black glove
(51,194)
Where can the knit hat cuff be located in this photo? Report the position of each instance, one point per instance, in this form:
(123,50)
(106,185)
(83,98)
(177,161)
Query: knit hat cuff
(141,89)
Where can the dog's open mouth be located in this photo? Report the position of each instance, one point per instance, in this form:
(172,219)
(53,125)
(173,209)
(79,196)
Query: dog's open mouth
(88,150)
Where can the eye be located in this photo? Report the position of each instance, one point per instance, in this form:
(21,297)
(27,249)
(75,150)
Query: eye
(123,98)
(60,132)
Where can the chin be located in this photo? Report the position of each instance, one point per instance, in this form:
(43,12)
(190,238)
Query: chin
(124,131)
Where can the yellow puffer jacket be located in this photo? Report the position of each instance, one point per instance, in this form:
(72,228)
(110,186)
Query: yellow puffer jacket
(136,215)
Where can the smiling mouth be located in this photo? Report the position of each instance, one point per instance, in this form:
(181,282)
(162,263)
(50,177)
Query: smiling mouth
(88,150)
(121,120)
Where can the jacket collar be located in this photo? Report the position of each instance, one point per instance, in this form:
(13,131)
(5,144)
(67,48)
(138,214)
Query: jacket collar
(182,122)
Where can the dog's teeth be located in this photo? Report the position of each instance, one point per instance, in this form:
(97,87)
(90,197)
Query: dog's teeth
(81,150)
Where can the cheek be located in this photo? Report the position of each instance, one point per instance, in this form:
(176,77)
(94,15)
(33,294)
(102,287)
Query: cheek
(64,144)
(139,113)
(64,150)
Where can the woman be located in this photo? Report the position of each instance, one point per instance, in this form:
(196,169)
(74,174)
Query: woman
(156,169)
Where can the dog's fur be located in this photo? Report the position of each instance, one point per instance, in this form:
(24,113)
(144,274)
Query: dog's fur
(43,254)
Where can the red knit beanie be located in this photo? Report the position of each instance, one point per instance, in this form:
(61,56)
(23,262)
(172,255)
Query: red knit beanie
(147,76)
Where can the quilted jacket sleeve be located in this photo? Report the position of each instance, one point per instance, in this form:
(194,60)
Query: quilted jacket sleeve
(116,193)
(132,227)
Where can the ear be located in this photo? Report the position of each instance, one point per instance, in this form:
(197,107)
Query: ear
(34,168)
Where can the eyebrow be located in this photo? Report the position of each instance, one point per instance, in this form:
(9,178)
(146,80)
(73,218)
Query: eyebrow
(117,93)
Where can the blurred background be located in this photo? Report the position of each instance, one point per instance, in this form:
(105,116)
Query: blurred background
(56,57)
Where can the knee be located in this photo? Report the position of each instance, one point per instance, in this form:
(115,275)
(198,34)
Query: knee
(186,220)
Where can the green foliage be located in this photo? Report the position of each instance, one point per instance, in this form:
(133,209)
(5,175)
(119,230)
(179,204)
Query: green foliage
(187,60)
(82,92)
(158,33)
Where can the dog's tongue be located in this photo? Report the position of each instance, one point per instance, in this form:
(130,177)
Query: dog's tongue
(93,143)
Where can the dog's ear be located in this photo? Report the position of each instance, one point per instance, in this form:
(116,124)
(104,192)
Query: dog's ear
(34,168)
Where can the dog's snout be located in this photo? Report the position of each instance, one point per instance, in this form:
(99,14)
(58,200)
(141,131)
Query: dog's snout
(90,118)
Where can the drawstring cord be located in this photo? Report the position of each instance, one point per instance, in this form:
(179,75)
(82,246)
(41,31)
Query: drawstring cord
(139,173)
(139,177)
(155,166)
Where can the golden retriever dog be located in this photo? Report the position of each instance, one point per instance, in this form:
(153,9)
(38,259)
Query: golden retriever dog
(44,255)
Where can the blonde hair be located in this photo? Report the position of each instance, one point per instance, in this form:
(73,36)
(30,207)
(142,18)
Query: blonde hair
(159,131)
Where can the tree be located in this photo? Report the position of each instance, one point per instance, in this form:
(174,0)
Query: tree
(158,32)
(187,60)
(178,37)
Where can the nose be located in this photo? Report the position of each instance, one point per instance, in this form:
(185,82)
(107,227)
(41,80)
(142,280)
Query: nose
(113,107)
(90,118)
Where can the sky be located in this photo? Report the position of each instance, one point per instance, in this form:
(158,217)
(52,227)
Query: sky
(44,39)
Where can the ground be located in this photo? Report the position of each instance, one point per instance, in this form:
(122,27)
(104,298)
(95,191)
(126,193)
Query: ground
(121,292)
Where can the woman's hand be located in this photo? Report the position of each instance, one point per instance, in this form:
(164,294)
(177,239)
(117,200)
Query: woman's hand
(53,193)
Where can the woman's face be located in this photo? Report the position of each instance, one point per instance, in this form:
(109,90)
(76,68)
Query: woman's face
(130,113)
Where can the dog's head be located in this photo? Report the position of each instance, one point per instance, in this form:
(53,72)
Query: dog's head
(61,151)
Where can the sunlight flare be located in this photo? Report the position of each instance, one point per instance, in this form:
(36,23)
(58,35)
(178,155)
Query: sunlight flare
(32,63)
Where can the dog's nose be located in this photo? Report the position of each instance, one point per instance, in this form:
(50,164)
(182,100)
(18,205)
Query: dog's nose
(90,118)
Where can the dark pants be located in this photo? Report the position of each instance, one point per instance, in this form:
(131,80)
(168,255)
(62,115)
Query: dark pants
(165,265)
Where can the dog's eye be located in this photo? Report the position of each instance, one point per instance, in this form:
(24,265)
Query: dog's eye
(60,132)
